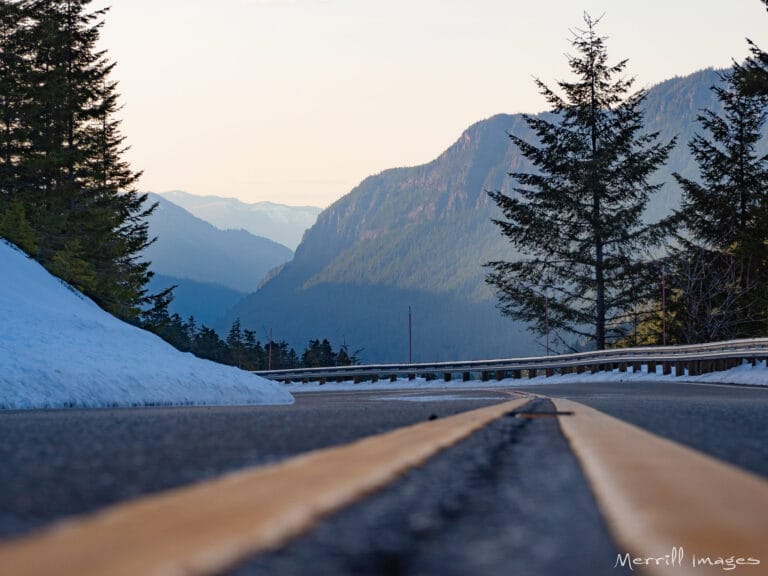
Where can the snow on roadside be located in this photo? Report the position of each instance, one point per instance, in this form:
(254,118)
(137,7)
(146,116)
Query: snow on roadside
(59,349)
(744,374)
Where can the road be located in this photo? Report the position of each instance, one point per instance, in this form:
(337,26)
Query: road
(64,462)
(725,421)
(511,498)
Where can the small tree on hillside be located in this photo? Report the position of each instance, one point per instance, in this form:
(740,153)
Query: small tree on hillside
(236,344)
(318,354)
(576,221)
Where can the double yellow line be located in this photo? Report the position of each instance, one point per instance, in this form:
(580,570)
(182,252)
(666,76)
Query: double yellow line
(208,527)
(658,497)
(674,510)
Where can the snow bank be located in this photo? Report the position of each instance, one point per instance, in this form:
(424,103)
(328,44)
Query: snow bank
(58,349)
(744,374)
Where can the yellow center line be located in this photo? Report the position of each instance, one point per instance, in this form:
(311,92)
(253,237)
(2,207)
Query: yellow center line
(661,499)
(210,526)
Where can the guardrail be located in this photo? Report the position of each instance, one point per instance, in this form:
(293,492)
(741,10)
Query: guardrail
(691,359)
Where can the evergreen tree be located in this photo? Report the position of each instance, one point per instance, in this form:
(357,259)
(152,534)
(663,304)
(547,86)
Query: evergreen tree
(251,350)
(343,358)
(286,357)
(157,319)
(576,221)
(60,152)
(190,329)
(14,62)
(291,359)
(249,339)
(318,354)
(15,227)
(728,209)
(752,75)
(174,332)
(208,345)
(236,345)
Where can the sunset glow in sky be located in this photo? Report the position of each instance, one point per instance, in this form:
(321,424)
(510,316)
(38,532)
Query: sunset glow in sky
(296,101)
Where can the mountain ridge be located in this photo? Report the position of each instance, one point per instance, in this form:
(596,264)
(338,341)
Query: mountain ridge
(278,222)
(427,229)
(189,247)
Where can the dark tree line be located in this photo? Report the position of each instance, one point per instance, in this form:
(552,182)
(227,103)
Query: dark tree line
(588,264)
(66,196)
(242,348)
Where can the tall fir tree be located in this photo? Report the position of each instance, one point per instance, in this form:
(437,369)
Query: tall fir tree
(727,210)
(15,56)
(576,222)
(77,192)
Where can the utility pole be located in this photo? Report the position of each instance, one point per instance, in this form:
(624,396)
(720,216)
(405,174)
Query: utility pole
(269,347)
(410,336)
(546,314)
(663,308)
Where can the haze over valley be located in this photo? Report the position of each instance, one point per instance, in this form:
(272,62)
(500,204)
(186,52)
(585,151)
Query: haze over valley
(417,237)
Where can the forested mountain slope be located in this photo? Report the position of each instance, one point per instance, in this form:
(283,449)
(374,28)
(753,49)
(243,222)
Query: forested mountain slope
(418,237)
(188,247)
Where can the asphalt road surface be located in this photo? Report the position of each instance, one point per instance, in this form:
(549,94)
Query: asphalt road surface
(63,462)
(724,421)
(511,499)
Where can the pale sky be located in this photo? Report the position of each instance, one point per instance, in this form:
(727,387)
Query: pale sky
(296,101)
